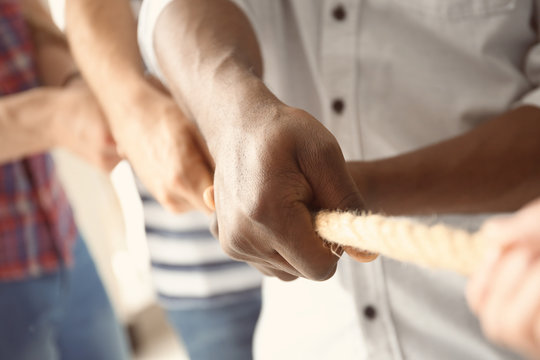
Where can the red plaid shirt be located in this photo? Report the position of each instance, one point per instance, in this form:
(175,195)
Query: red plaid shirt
(36,222)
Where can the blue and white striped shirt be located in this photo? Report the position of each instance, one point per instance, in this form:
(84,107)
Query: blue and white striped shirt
(189,267)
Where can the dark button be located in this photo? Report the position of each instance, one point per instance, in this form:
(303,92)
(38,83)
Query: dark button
(339,13)
(370,312)
(338,106)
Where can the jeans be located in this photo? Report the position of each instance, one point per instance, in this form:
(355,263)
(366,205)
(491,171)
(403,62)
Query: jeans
(222,332)
(63,315)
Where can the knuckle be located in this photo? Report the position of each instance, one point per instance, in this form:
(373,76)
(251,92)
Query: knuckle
(169,202)
(350,200)
(179,181)
(258,210)
(283,276)
(231,246)
(321,273)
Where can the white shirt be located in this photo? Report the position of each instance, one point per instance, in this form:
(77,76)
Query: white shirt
(408,74)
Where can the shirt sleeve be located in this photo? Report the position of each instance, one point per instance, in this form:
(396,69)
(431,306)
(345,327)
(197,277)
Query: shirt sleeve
(532,67)
(148,16)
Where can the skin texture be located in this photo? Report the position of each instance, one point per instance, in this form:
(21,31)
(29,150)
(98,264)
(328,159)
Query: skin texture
(163,145)
(274,164)
(52,116)
(505,291)
(493,168)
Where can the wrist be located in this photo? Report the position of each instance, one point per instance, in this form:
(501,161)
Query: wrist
(362,173)
(120,94)
(59,103)
(121,100)
(244,108)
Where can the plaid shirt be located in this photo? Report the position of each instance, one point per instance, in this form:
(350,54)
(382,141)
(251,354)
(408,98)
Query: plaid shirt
(37,229)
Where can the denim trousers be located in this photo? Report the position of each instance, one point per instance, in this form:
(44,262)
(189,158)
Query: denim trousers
(221,332)
(62,315)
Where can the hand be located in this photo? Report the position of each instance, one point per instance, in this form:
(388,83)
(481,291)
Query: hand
(268,180)
(165,149)
(505,291)
(81,127)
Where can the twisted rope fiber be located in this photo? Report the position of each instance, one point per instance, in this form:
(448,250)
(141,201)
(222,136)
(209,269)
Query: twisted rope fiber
(436,246)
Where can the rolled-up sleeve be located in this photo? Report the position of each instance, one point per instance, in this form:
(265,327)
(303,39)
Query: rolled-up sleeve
(532,67)
(150,11)
(532,70)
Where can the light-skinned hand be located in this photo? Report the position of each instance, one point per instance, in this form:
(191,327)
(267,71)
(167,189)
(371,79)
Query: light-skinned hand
(80,126)
(165,149)
(505,291)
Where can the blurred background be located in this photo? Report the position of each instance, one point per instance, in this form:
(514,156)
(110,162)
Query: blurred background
(109,213)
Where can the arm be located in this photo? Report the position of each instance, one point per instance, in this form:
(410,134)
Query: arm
(274,163)
(55,64)
(102,35)
(40,119)
(26,122)
(163,146)
(493,168)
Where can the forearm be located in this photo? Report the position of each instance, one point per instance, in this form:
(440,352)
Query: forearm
(494,168)
(102,35)
(26,123)
(54,61)
(210,57)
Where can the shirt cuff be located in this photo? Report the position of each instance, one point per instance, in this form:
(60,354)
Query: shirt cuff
(150,11)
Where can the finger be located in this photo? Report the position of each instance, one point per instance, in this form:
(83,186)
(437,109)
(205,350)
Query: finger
(334,188)
(197,180)
(268,258)
(493,309)
(208,197)
(269,271)
(306,251)
(279,263)
(360,255)
(522,227)
(175,204)
(113,159)
(523,310)
(281,257)
(478,284)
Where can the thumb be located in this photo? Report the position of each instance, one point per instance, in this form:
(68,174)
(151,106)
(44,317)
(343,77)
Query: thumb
(335,189)
(208,197)
(202,180)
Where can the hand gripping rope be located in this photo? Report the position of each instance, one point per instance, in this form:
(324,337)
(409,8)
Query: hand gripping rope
(436,246)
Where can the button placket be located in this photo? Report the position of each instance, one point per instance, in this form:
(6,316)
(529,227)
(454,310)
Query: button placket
(338,65)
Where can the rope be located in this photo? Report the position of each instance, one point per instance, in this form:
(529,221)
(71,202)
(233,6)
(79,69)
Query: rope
(436,246)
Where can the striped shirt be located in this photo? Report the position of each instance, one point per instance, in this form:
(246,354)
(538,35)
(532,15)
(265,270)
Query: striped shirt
(189,268)
(37,228)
